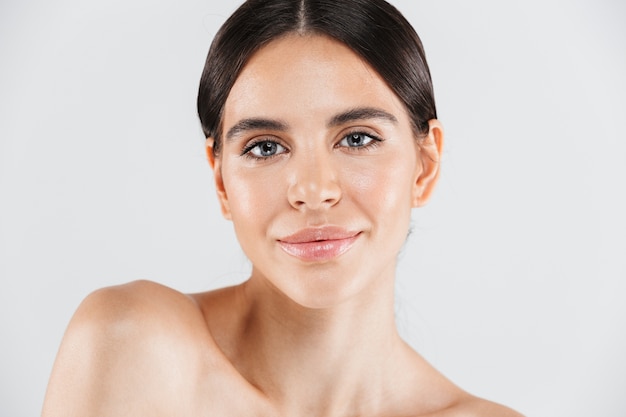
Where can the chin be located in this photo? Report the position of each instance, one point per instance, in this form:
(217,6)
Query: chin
(323,286)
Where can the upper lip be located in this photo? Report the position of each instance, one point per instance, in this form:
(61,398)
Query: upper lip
(315,234)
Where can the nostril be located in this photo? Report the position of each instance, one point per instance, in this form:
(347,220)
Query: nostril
(314,194)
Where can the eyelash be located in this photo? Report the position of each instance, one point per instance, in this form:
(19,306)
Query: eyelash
(375,141)
(247,151)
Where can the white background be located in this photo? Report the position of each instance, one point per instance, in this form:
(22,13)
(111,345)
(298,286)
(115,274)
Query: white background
(512,283)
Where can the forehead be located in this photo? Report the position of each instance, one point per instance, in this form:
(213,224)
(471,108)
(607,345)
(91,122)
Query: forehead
(305,77)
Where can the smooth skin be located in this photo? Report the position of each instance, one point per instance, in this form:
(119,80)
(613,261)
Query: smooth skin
(313,137)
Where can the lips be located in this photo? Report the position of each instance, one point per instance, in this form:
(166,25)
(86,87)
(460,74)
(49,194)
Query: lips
(318,244)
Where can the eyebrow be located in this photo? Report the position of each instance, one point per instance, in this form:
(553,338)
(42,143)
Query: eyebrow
(361,113)
(255,123)
(352,115)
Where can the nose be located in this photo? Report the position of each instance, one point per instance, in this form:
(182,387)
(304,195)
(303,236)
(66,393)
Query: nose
(314,184)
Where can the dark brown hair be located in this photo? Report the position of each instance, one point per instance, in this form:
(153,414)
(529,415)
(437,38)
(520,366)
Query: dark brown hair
(373,29)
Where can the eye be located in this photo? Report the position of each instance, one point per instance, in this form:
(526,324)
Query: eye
(264,149)
(358,140)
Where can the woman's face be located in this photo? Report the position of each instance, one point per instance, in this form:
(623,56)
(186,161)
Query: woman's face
(319,170)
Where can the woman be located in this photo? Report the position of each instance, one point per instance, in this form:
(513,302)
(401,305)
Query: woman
(322,134)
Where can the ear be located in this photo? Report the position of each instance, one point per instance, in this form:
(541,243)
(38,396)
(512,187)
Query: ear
(429,156)
(216,165)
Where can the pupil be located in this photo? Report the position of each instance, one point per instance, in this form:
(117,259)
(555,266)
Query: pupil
(268,148)
(355,139)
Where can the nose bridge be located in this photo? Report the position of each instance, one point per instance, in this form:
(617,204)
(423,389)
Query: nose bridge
(314,180)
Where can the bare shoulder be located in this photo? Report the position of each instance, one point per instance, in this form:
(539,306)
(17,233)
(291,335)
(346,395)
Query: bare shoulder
(127,351)
(471,406)
(138,311)
(141,299)
(434,395)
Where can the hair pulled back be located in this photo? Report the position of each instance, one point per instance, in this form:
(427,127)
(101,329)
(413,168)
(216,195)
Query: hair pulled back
(373,29)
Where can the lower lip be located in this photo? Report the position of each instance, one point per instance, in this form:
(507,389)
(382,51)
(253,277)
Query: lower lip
(319,251)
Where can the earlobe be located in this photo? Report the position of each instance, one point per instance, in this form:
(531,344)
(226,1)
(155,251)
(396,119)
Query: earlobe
(216,165)
(429,154)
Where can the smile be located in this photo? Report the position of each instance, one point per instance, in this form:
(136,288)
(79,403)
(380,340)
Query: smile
(318,244)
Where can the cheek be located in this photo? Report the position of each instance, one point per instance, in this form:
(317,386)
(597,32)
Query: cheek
(380,188)
(383,186)
(252,196)
(384,196)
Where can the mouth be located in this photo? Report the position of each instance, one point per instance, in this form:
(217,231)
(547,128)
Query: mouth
(318,244)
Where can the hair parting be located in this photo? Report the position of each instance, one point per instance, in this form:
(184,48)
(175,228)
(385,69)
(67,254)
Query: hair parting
(374,29)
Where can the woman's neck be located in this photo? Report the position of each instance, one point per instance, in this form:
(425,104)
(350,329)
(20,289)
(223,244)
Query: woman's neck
(321,361)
